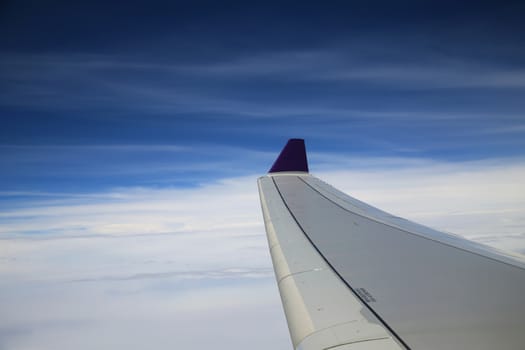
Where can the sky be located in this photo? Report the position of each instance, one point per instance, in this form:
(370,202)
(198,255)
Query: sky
(132,134)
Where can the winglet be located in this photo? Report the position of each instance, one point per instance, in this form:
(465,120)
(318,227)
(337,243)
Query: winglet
(292,158)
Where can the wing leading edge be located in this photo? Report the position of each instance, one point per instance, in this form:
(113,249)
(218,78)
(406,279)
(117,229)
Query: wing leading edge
(354,277)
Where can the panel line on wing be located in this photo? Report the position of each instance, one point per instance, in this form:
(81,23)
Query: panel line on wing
(298,273)
(354,342)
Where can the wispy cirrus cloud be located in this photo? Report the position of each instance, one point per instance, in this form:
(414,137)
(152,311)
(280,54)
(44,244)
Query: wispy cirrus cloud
(368,100)
(62,167)
(79,81)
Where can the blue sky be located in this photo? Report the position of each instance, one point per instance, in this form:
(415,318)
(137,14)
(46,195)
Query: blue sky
(104,86)
(132,134)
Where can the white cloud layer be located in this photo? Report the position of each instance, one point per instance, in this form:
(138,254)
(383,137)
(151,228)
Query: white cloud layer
(189,268)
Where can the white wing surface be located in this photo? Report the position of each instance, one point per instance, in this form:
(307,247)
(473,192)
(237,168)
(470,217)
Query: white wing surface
(354,277)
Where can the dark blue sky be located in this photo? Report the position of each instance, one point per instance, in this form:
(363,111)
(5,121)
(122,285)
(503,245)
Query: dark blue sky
(97,95)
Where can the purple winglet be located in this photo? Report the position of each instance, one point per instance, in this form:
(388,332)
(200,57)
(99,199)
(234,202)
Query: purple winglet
(292,157)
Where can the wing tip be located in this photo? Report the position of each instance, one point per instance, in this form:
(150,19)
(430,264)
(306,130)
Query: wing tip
(291,158)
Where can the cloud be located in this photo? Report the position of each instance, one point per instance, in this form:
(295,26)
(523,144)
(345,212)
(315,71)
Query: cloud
(117,82)
(138,315)
(347,65)
(139,266)
(431,103)
(236,273)
(37,170)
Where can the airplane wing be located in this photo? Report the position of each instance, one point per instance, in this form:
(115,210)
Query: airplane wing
(352,277)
